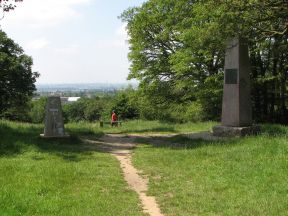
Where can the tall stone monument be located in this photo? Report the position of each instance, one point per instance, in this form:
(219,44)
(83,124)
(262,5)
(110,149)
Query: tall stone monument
(54,126)
(236,117)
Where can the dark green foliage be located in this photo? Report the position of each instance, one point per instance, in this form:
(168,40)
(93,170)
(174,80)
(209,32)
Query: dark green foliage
(177,53)
(16,79)
(37,110)
(74,111)
(93,109)
(210,96)
(124,106)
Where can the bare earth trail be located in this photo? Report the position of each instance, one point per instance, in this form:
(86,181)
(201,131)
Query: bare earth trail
(120,146)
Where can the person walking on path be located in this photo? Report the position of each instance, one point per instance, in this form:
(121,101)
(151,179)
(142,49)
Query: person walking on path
(114,119)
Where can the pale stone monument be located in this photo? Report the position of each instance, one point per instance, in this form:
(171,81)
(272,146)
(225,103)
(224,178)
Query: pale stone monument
(236,117)
(54,126)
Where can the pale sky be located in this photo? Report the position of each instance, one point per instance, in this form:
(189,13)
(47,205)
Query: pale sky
(72,41)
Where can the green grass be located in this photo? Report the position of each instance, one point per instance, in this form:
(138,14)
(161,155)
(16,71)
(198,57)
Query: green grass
(247,176)
(139,126)
(240,176)
(59,176)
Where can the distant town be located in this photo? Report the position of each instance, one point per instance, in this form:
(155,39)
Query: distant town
(76,91)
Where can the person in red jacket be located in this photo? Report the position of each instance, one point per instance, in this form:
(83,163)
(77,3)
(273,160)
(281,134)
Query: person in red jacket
(114,119)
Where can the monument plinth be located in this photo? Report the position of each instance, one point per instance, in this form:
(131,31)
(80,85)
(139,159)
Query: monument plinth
(54,126)
(236,117)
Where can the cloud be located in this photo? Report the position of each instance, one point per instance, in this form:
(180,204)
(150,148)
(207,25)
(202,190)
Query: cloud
(70,49)
(40,13)
(37,44)
(121,31)
(118,40)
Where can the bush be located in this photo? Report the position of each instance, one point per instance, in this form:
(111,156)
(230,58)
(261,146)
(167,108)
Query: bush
(74,112)
(93,109)
(182,113)
(84,110)
(125,106)
(210,97)
(17,114)
(37,110)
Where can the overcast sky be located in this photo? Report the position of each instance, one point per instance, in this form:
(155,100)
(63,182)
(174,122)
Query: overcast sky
(72,41)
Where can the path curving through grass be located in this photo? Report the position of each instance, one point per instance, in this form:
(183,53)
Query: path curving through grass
(120,146)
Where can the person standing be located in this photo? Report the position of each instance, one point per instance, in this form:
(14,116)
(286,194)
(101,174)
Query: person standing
(114,119)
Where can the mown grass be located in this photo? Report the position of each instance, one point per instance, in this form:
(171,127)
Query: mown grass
(59,176)
(140,127)
(240,176)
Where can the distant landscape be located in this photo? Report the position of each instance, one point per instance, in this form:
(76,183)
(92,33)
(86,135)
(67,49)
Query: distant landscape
(76,87)
(81,89)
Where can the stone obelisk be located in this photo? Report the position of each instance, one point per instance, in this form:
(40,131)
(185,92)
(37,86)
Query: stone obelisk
(54,126)
(236,117)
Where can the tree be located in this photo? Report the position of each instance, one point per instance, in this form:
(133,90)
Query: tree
(7,5)
(17,81)
(177,50)
(171,53)
(37,110)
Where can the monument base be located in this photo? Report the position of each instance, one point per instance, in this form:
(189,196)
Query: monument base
(63,136)
(229,131)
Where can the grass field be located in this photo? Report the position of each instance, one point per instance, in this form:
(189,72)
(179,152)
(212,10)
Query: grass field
(140,127)
(245,176)
(58,177)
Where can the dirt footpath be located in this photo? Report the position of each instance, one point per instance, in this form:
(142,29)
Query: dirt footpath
(120,146)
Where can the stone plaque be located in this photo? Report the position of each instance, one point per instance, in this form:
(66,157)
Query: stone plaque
(231,76)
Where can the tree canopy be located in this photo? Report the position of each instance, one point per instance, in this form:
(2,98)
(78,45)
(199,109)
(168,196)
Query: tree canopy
(177,50)
(16,77)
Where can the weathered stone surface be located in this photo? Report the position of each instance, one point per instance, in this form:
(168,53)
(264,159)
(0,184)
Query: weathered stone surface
(236,116)
(236,105)
(228,131)
(54,126)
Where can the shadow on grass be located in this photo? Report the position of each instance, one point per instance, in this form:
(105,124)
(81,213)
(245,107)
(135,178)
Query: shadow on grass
(17,139)
(182,142)
(150,130)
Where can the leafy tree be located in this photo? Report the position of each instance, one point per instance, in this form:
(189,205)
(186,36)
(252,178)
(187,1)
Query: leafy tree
(179,46)
(17,81)
(170,56)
